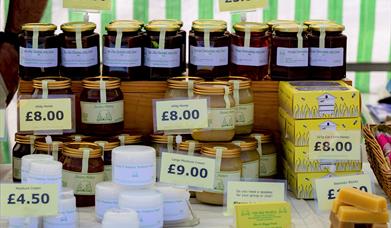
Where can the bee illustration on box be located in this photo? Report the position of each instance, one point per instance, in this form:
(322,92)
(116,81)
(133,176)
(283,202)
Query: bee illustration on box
(328,125)
(326,104)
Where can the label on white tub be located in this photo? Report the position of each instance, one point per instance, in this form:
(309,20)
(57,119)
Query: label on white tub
(101,206)
(66,219)
(150,217)
(292,57)
(134,174)
(249,56)
(175,210)
(326,57)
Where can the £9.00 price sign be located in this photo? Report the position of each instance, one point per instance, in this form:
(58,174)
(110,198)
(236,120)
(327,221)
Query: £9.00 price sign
(54,114)
(335,145)
(88,4)
(181,114)
(187,170)
(28,200)
(239,5)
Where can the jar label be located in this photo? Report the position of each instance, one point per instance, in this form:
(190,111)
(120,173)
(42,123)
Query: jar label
(244,114)
(175,210)
(268,165)
(84,57)
(150,217)
(250,169)
(82,184)
(16,167)
(102,205)
(221,118)
(102,113)
(121,57)
(326,57)
(223,177)
(67,218)
(215,56)
(163,58)
(108,173)
(249,56)
(36,57)
(134,174)
(44,179)
(292,57)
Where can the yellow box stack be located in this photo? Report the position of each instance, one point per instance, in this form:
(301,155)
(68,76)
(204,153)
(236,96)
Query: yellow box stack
(307,106)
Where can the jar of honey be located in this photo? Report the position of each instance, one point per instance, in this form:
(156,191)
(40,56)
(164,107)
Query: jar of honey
(208,51)
(38,51)
(52,146)
(107,145)
(249,156)
(289,53)
(122,51)
(189,147)
(221,111)
(268,154)
(24,145)
(181,86)
(162,51)
(79,50)
(244,103)
(250,50)
(52,85)
(102,106)
(327,51)
(230,170)
(82,169)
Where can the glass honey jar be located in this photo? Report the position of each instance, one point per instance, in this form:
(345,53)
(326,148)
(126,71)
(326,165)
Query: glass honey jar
(102,106)
(38,51)
(51,146)
(244,103)
(107,144)
(268,153)
(230,170)
(209,51)
(162,51)
(181,86)
(79,50)
(327,51)
(289,53)
(221,111)
(24,145)
(122,51)
(52,85)
(250,50)
(249,156)
(83,168)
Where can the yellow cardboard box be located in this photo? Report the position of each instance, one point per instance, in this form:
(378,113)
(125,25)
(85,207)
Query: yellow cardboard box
(301,184)
(297,158)
(298,130)
(319,99)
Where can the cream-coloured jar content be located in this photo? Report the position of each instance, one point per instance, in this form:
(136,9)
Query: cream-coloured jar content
(250,157)
(268,154)
(221,112)
(181,86)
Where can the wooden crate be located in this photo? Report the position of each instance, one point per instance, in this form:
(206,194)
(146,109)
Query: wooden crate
(138,96)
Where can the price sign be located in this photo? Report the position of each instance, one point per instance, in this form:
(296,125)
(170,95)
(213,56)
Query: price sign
(187,170)
(335,145)
(182,114)
(21,200)
(327,188)
(2,124)
(54,114)
(240,5)
(88,4)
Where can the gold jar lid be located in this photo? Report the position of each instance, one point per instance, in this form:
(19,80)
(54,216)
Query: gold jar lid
(158,27)
(137,22)
(42,145)
(209,27)
(329,27)
(123,26)
(167,21)
(212,88)
(289,28)
(161,139)
(130,139)
(72,26)
(108,143)
(273,23)
(41,27)
(246,144)
(266,136)
(94,82)
(182,81)
(209,21)
(75,149)
(78,137)
(25,139)
(244,83)
(316,21)
(184,146)
(252,26)
(54,82)
(229,150)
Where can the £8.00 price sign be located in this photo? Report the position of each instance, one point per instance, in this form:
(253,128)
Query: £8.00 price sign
(238,5)
(88,4)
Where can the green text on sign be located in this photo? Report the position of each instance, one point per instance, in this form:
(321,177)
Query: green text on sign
(240,5)
(188,170)
(22,200)
(88,4)
(181,114)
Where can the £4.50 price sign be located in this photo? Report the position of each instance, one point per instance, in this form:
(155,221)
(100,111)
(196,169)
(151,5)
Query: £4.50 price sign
(88,4)
(28,200)
(181,114)
(239,5)
(54,114)
(187,170)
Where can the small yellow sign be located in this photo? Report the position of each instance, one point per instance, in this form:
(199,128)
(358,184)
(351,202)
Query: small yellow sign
(252,192)
(181,114)
(263,215)
(2,123)
(88,4)
(335,145)
(240,5)
(53,114)
(21,200)
(327,188)
(188,170)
